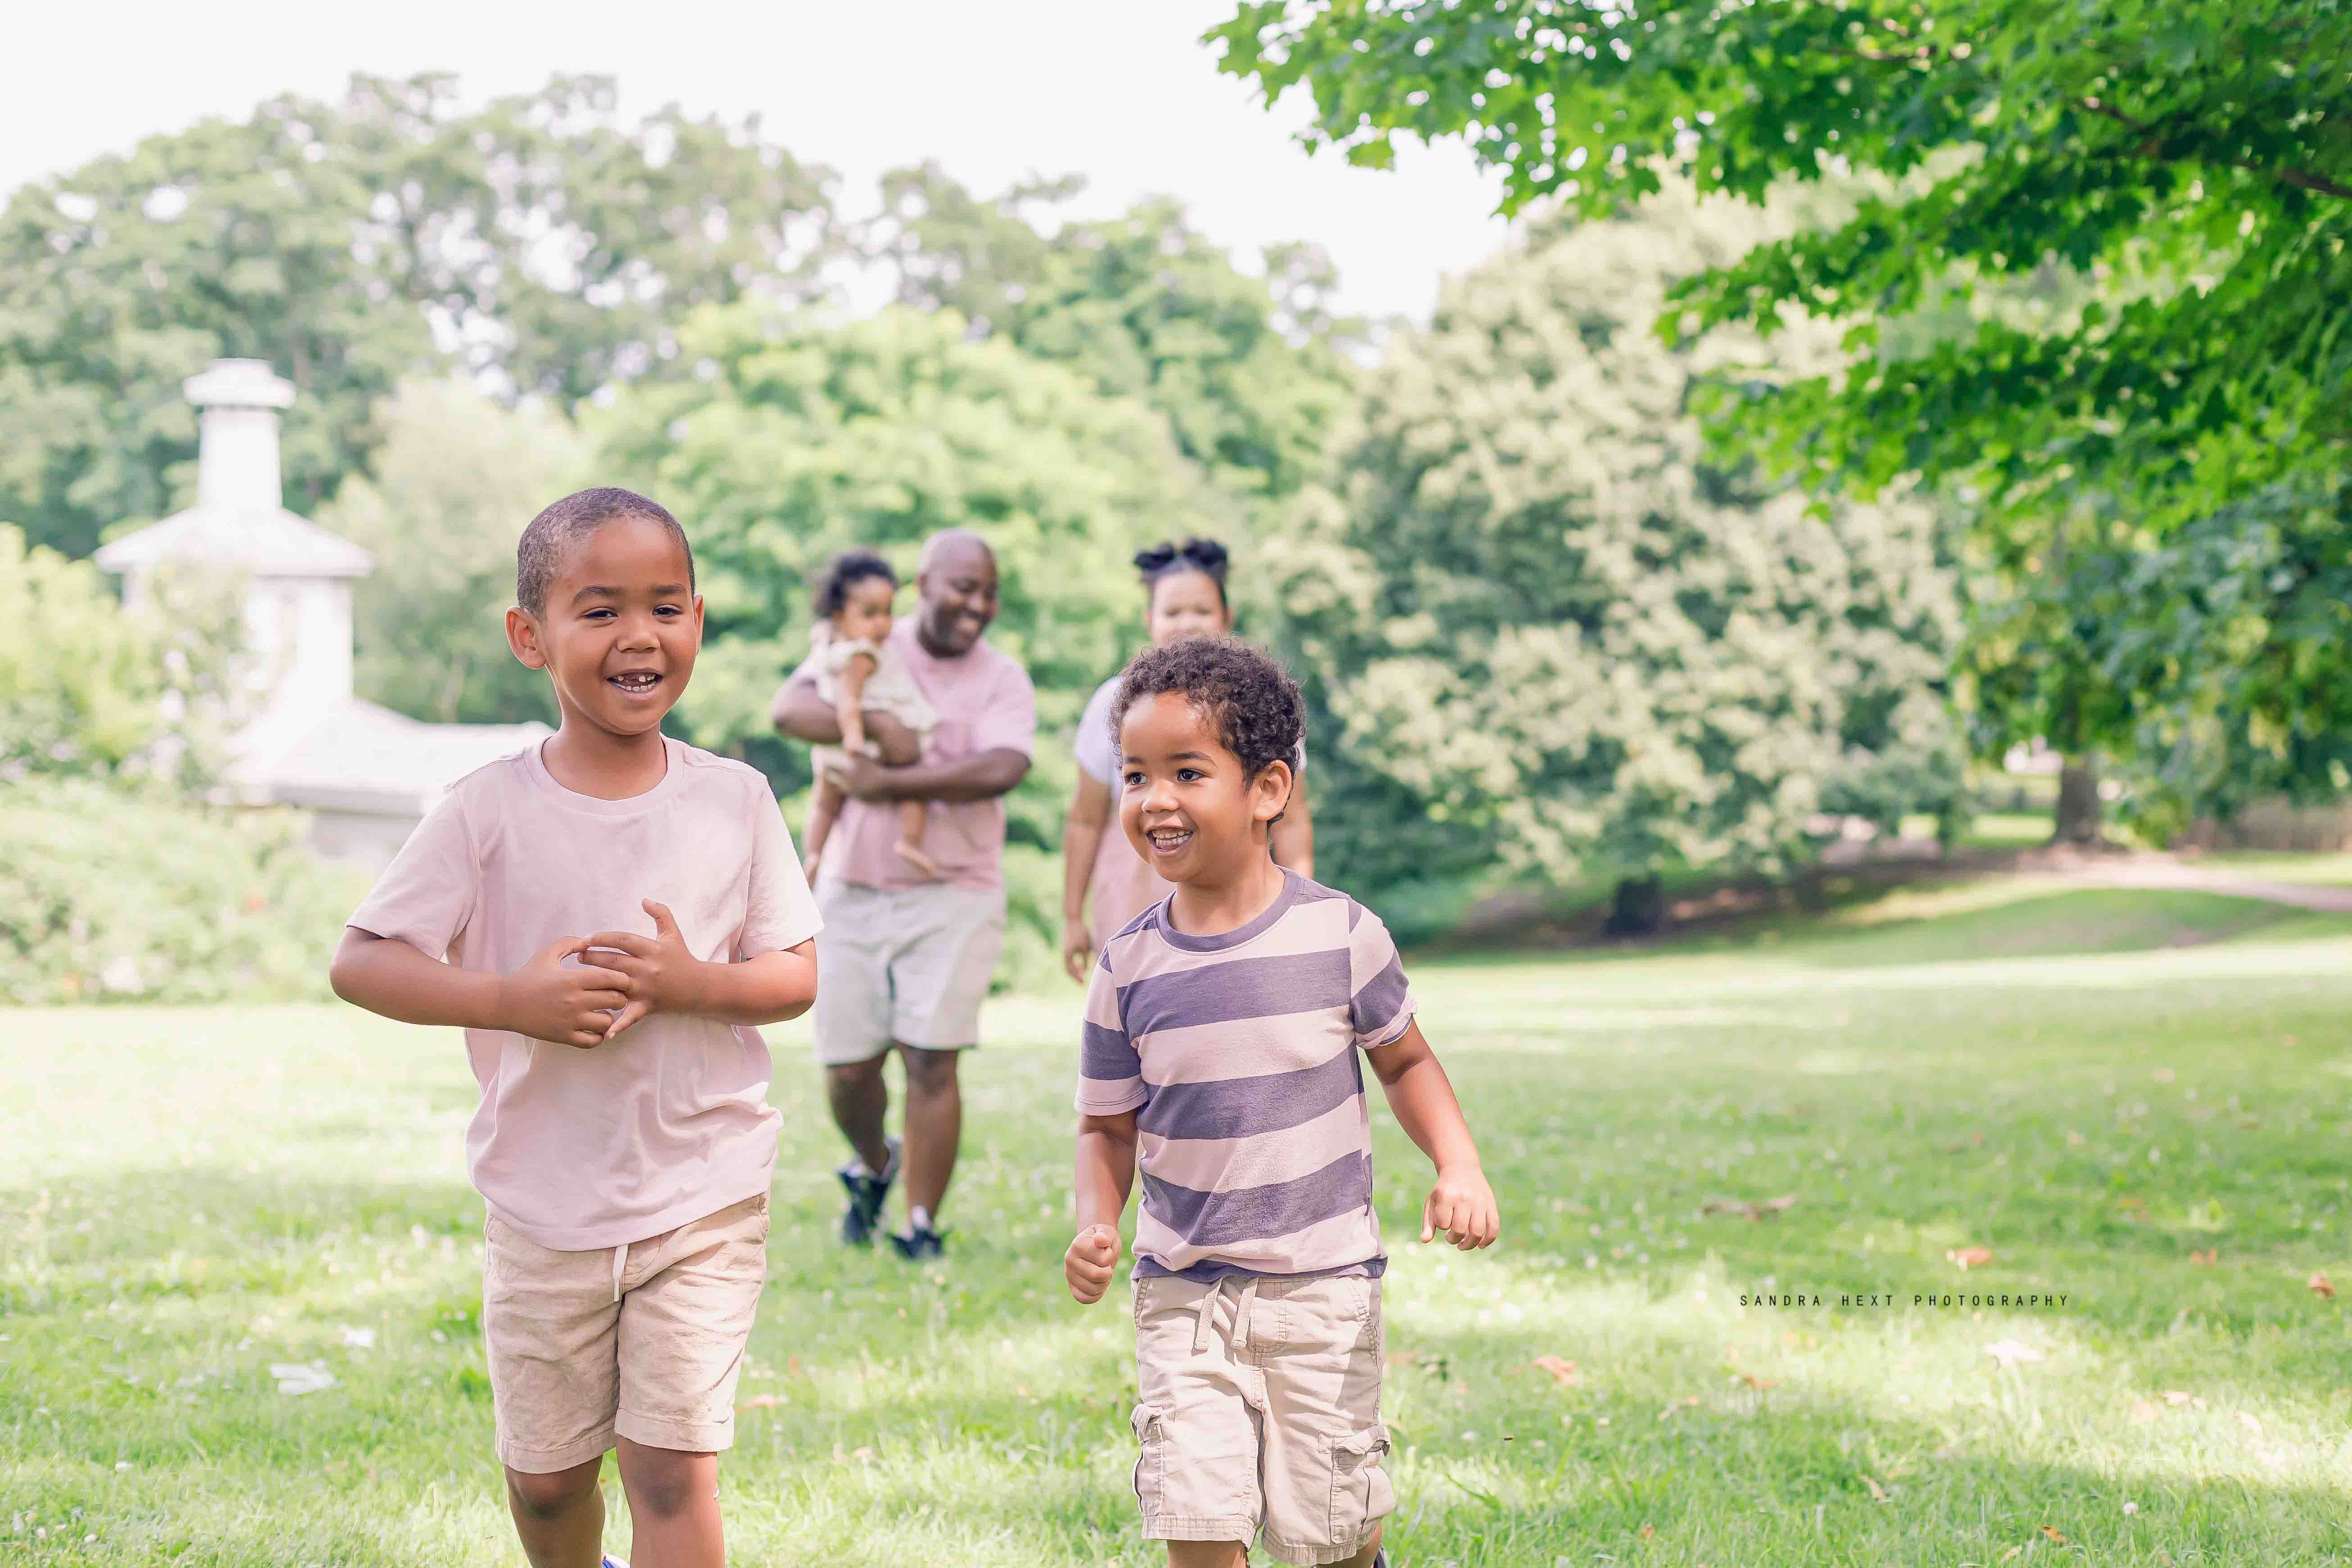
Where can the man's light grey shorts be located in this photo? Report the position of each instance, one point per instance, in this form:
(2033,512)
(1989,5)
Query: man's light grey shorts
(910,964)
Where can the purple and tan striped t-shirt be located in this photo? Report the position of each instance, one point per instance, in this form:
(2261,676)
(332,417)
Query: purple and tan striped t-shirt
(1237,1053)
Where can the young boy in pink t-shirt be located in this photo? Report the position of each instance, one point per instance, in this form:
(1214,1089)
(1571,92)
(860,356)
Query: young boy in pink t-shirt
(608,915)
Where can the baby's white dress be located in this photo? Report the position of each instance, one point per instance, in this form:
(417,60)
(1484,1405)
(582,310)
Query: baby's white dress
(889,690)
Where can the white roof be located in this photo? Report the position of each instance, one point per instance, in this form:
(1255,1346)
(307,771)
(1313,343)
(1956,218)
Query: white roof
(359,757)
(267,541)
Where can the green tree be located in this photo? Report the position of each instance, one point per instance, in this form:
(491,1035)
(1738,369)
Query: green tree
(2191,150)
(91,690)
(797,436)
(2165,184)
(1547,625)
(538,242)
(455,479)
(79,681)
(1248,369)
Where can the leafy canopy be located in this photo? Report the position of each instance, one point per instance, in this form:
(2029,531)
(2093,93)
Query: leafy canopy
(1247,370)
(2195,157)
(540,243)
(1544,624)
(456,480)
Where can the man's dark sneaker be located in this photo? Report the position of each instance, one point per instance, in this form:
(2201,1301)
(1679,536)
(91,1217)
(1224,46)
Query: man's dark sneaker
(868,1193)
(919,1245)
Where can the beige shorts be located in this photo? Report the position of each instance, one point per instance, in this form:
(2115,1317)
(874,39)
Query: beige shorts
(910,964)
(643,1340)
(1261,1408)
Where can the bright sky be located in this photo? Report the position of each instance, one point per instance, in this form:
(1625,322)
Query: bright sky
(1118,90)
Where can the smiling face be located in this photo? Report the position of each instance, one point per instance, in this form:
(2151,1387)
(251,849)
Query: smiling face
(1185,802)
(958,583)
(864,613)
(1185,605)
(619,630)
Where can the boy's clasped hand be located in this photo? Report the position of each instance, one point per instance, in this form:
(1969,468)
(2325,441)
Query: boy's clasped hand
(586,1004)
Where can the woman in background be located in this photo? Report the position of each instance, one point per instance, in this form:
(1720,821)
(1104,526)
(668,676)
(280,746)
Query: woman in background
(1105,883)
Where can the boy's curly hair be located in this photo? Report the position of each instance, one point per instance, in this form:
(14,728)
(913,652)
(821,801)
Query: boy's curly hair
(845,572)
(1246,694)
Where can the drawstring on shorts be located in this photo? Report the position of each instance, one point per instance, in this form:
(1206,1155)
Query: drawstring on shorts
(1244,1299)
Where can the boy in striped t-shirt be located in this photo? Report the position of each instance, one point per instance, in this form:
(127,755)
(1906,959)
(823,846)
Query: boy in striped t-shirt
(1220,1039)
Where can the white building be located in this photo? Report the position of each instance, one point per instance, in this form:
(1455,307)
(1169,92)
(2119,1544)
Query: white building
(366,773)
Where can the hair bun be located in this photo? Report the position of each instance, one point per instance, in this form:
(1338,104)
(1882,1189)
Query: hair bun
(1159,558)
(1207,555)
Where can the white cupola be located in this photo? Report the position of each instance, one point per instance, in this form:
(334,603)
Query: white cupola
(297,576)
(366,774)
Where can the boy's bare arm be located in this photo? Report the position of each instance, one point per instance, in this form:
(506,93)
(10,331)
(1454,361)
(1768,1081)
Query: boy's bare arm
(1106,1174)
(1460,1203)
(661,974)
(546,999)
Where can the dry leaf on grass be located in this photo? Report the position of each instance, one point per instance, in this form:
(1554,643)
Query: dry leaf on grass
(2180,1396)
(1752,1380)
(1562,1372)
(1648,1530)
(2008,1353)
(2319,1285)
(1747,1210)
(1877,1493)
(2246,1419)
(1969,1256)
(2050,1533)
(2207,1258)
(2142,1412)
(759,1401)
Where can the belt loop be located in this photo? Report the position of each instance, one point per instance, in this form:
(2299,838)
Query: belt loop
(620,1261)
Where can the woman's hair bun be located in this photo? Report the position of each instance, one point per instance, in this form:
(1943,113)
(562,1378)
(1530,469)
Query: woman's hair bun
(1207,555)
(1195,555)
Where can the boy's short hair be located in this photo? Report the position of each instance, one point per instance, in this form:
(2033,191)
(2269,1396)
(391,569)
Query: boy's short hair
(539,554)
(1247,694)
(845,572)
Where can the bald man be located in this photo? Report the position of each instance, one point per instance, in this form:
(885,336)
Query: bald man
(904,962)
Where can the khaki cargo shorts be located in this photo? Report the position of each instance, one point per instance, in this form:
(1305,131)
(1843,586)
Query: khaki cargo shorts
(1260,1407)
(910,964)
(643,1340)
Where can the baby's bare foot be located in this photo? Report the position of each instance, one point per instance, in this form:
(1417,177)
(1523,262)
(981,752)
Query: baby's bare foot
(913,856)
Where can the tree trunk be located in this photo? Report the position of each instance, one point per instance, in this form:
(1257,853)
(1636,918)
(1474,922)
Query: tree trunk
(2077,819)
(1640,909)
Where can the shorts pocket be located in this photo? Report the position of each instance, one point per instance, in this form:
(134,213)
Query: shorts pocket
(1150,1425)
(1361,1491)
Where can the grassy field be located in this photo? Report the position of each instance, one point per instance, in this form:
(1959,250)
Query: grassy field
(2100,1089)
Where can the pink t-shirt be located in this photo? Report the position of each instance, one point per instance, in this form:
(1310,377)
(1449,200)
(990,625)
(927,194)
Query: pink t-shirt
(985,703)
(586,1149)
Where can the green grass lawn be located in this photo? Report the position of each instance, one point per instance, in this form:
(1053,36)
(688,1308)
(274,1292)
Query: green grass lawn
(191,1198)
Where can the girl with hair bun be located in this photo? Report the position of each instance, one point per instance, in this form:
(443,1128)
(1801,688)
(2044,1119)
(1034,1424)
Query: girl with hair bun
(1105,883)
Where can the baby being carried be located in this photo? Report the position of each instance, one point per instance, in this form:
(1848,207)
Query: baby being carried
(856,672)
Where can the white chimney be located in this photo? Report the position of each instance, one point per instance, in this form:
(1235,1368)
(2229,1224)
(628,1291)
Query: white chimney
(236,452)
